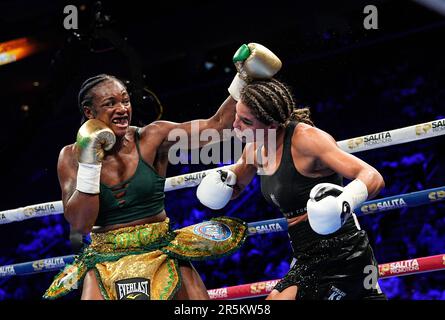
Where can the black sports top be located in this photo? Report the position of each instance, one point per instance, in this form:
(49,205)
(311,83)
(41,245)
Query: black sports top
(289,190)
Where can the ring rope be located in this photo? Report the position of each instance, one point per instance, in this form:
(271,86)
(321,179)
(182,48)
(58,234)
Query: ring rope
(56,263)
(386,270)
(371,141)
(257,289)
(368,142)
(253,228)
(407,200)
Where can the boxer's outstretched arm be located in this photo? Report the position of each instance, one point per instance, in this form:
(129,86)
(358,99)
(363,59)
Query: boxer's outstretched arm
(169,133)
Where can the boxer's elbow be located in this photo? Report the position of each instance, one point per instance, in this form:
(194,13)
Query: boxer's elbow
(382,182)
(237,189)
(378,180)
(378,183)
(83,229)
(79,226)
(78,222)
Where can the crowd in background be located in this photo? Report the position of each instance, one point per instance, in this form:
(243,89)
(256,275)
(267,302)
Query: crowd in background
(367,93)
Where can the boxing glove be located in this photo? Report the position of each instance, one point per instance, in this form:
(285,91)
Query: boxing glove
(216,188)
(93,139)
(330,205)
(253,62)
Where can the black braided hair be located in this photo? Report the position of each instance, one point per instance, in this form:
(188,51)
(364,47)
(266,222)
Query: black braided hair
(85,98)
(272,101)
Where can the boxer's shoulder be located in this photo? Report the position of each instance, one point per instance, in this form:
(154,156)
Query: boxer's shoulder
(67,152)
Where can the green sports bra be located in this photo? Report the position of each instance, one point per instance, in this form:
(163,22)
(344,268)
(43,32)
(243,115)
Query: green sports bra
(138,197)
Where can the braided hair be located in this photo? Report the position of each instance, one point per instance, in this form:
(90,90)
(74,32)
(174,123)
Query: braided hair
(85,97)
(271,101)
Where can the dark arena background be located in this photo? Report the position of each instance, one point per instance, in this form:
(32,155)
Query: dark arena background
(177,61)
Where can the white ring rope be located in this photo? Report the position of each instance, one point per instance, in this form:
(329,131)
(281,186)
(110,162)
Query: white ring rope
(371,141)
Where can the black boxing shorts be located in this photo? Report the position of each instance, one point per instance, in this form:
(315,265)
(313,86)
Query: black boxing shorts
(334,269)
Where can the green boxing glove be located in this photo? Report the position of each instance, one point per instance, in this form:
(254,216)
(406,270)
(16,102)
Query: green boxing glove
(93,139)
(253,62)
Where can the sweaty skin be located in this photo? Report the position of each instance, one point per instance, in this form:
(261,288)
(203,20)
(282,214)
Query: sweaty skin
(111,105)
(314,153)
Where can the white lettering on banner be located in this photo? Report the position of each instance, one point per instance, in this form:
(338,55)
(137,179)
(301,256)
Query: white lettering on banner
(271,227)
(404,266)
(218,293)
(270,285)
(49,263)
(384,205)
(7,271)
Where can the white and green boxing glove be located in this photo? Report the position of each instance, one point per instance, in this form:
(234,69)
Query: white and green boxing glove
(253,62)
(93,139)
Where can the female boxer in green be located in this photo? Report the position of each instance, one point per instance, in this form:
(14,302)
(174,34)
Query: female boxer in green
(112,182)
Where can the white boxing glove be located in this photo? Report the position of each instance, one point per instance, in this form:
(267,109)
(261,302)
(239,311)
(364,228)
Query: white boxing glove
(216,189)
(330,205)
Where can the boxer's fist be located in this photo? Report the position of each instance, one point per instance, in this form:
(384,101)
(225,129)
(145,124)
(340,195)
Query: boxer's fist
(216,189)
(330,205)
(326,210)
(93,139)
(253,62)
(256,62)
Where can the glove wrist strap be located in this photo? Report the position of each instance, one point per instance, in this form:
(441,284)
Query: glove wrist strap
(88,178)
(355,193)
(236,86)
